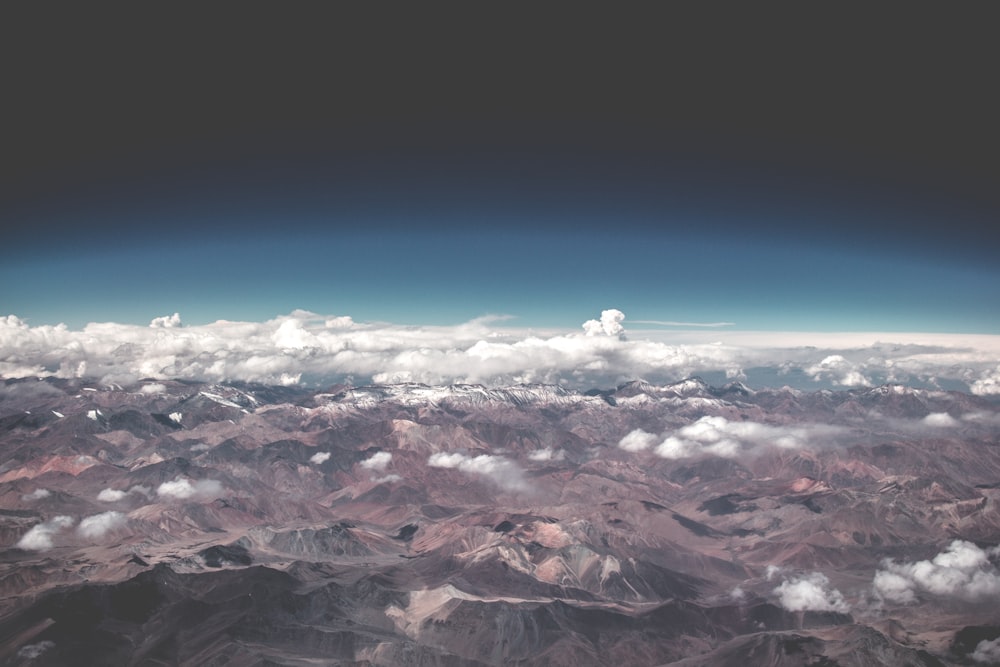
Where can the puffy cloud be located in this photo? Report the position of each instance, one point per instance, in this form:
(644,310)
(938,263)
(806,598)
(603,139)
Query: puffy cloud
(637,441)
(97,526)
(939,420)
(810,592)
(610,324)
(319,458)
(166,322)
(502,471)
(377,461)
(153,388)
(37,494)
(987,651)
(306,347)
(717,436)
(838,370)
(182,488)
(988,384)
(386,478)
(111,495)
(962,571)
(547,454)
(39,538)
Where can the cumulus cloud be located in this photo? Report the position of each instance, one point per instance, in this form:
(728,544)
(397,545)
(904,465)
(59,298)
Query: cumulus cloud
(319,458)
(98,525)
(718,436)
(637,441)
(939,420)
(610,324)
(166,322)
(962,571)
(40,537)
(182,488)
(37,494)
(987,652)
(111,495)
(377,461)
(547,454)
(502,471)
(386,478)
(153,388)
(810,592)
(306,347)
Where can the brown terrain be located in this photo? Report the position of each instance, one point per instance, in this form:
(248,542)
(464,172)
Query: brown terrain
(176,523)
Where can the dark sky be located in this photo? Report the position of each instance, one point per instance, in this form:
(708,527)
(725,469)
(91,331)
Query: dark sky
(817,128)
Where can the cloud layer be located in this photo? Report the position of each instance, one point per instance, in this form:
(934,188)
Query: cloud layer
(306,347)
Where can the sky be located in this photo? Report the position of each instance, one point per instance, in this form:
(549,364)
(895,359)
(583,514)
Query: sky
(819,174)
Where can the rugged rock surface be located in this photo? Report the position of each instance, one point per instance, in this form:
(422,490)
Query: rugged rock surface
(179,523)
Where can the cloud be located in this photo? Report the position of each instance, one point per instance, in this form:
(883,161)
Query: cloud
(319,349)
(939,420)
(610,324)
(502,471)
(547,454)
(39,538)
(962,571)
(182,489)
(153,388)
(810,592)
(319,458)
(167,322)
(111,495)
(987,651)
(97,526)
(637,441)
(988,383)
(717,436)
(37,494)
(386,478)
(377,461)
(672,323)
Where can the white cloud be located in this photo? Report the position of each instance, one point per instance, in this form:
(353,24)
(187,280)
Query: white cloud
(183,489)
(377,461)
(987,651)
(988,383)
(39,538)
(97,526)
(547,454)
(962,571)
(939,420)
(637,441)
(610,324)
(319,458)
(111,495)
(153,388)
(166,322)
(387,478)
(306,347)
(718,436)
(37,494)
(502,471)
(810,592)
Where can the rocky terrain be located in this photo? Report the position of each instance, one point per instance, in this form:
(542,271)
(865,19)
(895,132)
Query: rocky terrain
(177,523)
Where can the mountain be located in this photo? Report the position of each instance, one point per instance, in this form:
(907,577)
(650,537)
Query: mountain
(186,523)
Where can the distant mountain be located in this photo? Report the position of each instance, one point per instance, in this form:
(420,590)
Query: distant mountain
(186,523)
